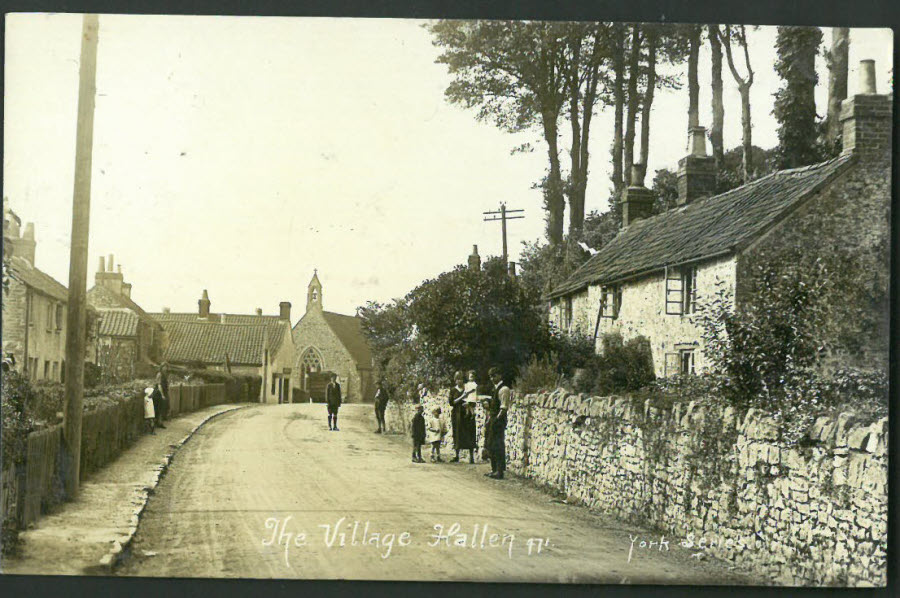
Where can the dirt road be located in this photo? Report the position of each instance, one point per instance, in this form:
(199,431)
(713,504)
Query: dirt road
(239,496)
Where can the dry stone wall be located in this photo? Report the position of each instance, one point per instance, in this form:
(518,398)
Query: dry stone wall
(713,480)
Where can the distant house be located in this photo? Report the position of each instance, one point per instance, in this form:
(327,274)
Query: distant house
(34,309)
(649,279)
(258,345)
(129,340)
(327,342)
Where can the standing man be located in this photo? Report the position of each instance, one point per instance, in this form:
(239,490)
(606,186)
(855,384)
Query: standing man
(333,398)
(164,387)
(496,426)
(381,400)
(159,403)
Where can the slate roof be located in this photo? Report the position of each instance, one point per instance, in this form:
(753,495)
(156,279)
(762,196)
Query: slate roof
(105,300)
(23,271)
(118,322)
(275,325)
(707,228)
(209,342)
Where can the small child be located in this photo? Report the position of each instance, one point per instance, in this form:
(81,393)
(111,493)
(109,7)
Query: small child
(149,411)
(437,429)
(418,434)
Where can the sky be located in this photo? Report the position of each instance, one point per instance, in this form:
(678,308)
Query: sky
(238,154)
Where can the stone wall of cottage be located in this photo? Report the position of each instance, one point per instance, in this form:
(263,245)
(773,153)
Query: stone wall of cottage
(46,344)
(713,481)
(313,331)
(847,226)
(643,313)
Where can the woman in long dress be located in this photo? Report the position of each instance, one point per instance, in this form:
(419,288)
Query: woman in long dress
(467,440)
(457,401)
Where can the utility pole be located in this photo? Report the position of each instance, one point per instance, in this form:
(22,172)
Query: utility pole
(503,218)
(78,253)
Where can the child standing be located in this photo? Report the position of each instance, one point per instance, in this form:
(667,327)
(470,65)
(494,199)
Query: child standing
(435,434)
(149,411)
(418,434)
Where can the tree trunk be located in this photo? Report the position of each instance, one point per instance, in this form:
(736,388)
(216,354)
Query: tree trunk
(837,79)
(648,96)
(633,76)
(693,82)
(747,130)
(619,98)
(718,108)
(553,188)
(576,215)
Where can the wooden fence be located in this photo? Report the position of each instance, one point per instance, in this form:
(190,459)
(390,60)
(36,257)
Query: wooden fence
(106,432)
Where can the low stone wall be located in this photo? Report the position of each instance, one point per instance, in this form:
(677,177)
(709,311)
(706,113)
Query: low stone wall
(398,416)
(810,515)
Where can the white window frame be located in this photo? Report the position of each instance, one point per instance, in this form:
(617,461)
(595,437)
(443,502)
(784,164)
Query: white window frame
(678,279)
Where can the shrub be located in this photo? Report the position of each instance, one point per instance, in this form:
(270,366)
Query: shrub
(620,367)
(93,373)
(540,373)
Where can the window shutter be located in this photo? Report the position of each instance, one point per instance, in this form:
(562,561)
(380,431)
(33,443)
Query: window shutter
(674,292)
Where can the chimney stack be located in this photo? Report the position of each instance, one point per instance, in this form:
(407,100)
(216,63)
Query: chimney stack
(109,263)
(126,289)
(102,266)
(204,304)
(697,170)
(259,311)
(475,259)
(637,200)
(866,119)
(167,310)
(105,277)
(24,246)
(284,310)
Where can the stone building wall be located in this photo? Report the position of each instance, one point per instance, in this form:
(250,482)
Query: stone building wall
(313,331)
(816,515)
(46,339)
(810,516)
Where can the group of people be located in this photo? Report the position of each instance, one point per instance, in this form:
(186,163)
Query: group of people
(156,401)
(462,399)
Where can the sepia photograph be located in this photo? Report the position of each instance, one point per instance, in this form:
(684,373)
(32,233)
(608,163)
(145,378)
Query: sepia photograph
(450,300)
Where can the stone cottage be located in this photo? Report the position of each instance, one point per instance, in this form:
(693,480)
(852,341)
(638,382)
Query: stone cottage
(129,341)
(34,309)
(244,344)
(649,279)
(327,342)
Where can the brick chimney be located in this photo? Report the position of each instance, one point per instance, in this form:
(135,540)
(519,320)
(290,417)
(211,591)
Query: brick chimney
(284,310)
(866,119)
(22,246)
(166,310)
(204,304)
(697,170)
(259,311)
(105,277)
(637,200)
(474,259)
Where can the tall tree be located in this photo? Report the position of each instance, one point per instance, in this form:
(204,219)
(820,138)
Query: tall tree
(718,107)
(838,67)
(744,84)
(619,102)
(693,36)
(634,75)
(514,74)
(795,101)
(647,103)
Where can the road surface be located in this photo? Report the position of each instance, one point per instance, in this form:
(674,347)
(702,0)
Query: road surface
(239,497)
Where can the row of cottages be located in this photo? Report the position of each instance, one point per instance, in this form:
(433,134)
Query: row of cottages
(34,308)
(129,342)
(328,342)
(649,279)
(257,345)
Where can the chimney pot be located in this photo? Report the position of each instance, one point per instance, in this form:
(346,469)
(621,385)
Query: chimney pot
(109,263)
(638,172)
(867,77)
(474,259)
(204,304)
(259,311)
(698,141)
(102,267)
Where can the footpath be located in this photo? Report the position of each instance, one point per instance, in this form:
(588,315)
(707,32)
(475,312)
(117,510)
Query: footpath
(90,534)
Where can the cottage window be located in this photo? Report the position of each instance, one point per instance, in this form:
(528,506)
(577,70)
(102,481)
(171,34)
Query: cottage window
(611,301)
(686,359)
(55,371)
(51,317)
(681,290)
(46,369)
(567,312)
(62,372)
(681,361)
(59,316)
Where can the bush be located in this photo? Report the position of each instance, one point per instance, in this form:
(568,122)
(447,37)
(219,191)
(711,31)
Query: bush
(620,367)
(93,373)
(540,373)
(16,394)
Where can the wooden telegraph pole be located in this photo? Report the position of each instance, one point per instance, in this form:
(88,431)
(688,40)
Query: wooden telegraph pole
(81,211)
(503,218)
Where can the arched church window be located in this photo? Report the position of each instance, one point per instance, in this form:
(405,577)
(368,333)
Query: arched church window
(312,361)
(315,295)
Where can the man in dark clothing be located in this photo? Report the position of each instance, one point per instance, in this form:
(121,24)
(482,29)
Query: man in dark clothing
(418,434)
(333,399)
(381,400)
(495,437)
(159,404)
(164,386)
